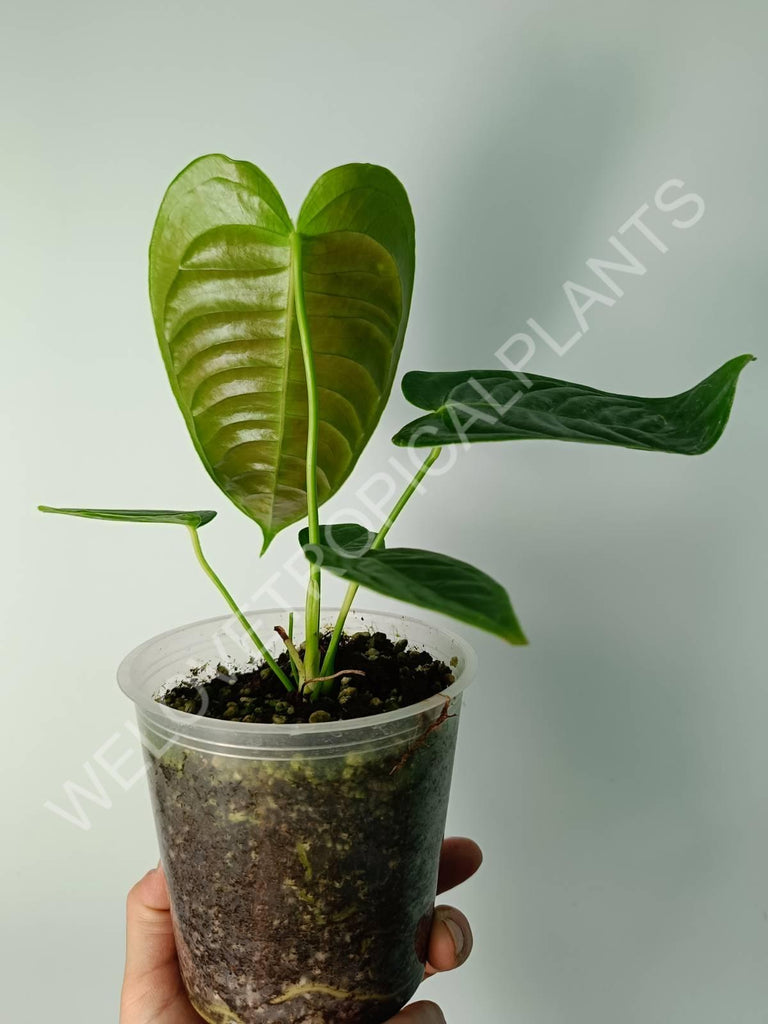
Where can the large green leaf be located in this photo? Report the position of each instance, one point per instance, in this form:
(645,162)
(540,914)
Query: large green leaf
(137,515)
(424,578)
(494,405)
(222,292)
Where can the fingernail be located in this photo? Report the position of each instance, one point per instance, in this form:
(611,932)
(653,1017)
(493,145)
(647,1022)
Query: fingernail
(456,934)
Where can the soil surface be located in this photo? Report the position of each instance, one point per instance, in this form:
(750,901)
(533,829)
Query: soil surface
(383,675)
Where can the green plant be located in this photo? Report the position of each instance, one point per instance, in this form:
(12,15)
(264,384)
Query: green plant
(281,344)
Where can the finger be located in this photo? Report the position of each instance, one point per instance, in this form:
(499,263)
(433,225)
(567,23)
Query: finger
(149,932)
(450,941)
(420,1013)
(459,860)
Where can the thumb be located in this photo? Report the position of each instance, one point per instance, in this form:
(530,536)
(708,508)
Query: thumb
(149,933)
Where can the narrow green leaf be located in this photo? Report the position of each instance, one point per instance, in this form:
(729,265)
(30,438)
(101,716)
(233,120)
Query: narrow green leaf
(493,405)
(136,515)
(424,578)
(223,304)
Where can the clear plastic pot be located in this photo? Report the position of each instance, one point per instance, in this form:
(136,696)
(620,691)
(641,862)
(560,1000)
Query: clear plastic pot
(301,859)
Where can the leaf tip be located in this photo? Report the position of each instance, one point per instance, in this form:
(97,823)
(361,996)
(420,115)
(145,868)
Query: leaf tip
(737,364)
(741,361)
(54,509)
(512,632)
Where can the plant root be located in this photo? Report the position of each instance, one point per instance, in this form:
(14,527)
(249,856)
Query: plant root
(444,716)
(322,679)
(295,991)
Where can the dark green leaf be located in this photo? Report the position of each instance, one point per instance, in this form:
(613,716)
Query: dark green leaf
(346,538)
(136,515)
(426,579)
(493,405)
(222,299)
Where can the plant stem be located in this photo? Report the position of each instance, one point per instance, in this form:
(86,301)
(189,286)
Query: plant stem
(312,616)
(294,668)
(378,541)
(293,654)
(208,570)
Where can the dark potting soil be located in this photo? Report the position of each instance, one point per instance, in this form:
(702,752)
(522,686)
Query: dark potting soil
(383,675)
(303,890)
(303,887)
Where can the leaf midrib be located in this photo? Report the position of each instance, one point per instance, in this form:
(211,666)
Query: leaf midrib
(289,311)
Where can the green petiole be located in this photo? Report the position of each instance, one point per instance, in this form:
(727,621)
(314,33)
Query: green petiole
(312,616)
(209,572)
(338,629)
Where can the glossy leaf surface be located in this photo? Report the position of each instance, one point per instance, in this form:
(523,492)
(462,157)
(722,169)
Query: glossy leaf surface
(138,515)
(222,290)
(492,405)
(346,538)
(424,578)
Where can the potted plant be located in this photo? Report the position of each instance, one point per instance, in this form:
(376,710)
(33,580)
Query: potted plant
(300,793)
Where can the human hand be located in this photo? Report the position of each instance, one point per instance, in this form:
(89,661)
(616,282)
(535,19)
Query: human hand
(153,992)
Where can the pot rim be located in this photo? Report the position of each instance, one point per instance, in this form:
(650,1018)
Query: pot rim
(128,679)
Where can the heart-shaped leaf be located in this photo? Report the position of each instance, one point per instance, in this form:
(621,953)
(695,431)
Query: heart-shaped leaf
(222,286)
(424,578)
(493,405)
(138,515)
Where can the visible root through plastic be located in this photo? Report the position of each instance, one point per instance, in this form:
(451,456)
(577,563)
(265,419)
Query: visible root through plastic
(309,988)
(424,736)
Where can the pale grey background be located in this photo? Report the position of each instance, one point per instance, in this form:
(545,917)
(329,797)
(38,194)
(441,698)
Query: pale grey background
(615,772)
